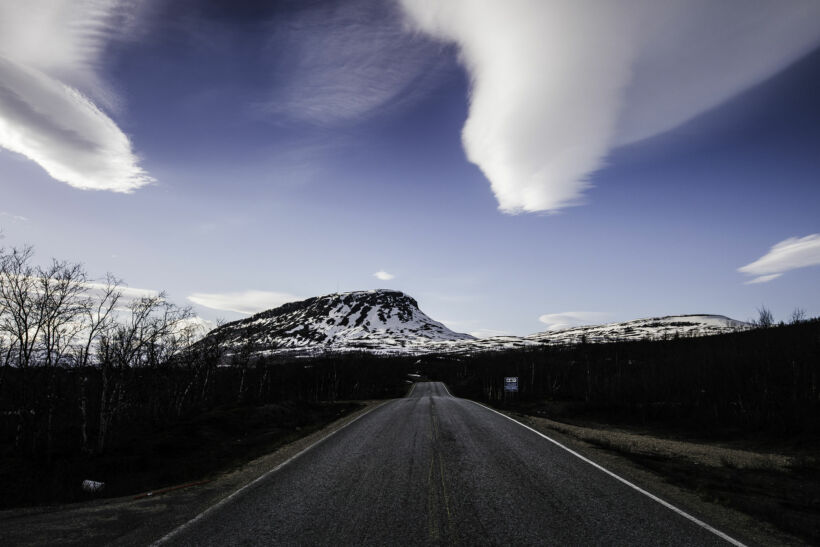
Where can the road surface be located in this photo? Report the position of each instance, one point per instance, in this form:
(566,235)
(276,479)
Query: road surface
(432,469)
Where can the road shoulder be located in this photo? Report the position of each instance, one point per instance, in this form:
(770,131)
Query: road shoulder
(737,524)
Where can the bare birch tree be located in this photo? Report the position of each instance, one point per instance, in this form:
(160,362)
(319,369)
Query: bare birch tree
(99,315)
(62,287)
(147,336)
(20,321)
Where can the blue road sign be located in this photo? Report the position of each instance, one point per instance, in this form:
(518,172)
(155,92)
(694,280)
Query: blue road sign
(511,383)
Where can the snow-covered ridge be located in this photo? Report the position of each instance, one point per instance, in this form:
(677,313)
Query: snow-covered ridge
(654,328)
(387,321)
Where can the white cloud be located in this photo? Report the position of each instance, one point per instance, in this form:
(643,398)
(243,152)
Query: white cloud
(789,254)
(344,62)
(13,218)
(247,302)
(49,51)
(556,85)
(763,279)
(488,333)
(383,275)
(569,319)
(128,293)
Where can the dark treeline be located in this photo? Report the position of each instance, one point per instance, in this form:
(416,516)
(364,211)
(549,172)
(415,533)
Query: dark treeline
(766,379)
(48,412)
(138,428)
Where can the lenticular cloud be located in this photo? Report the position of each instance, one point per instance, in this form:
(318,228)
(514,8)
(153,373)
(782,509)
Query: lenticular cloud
(557,84)
(49,50)
(789,254)
(64,132)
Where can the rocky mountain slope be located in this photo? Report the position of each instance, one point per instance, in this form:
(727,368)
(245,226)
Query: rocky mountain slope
(387,321)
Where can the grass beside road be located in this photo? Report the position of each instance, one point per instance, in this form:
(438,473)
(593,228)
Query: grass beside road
(780,487)
(189,451)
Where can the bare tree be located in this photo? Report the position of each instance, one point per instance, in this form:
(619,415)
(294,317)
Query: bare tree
(200,357)
(50,313)
(20,321)
(99,314)
(40,316)
(61,290)
(41,309)
(99,321)
(152,332)
(148,336)
(765,319)
(59,302)
(798,316)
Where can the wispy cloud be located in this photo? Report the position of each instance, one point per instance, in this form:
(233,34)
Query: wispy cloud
(128,293)
(96,291)
(556,85)
(67,39)
(50,56)
(383,275)
(568,319)
(763,279)
(12,217)
(789,254)
(247,302)
(345,61)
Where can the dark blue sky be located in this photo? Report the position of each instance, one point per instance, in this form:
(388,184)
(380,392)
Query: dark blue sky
(300,149)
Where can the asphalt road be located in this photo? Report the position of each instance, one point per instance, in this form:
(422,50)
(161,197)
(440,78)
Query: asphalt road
(432,469)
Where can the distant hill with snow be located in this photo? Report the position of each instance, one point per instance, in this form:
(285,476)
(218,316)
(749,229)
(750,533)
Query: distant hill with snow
(388,321)
(643,329)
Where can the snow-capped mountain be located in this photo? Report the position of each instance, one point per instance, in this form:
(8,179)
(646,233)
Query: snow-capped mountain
(379,320)
(387,321)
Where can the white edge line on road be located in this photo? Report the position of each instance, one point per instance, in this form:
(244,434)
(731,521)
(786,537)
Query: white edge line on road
(176,531)
(666,504)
